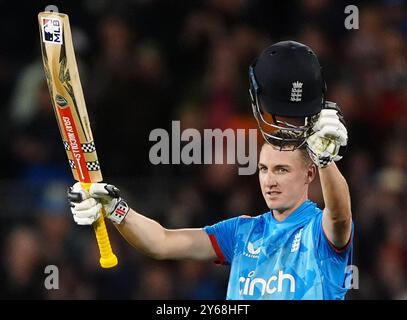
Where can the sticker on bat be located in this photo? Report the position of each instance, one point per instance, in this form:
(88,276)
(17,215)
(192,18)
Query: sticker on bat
(71,133)
(52,30)
(61,101)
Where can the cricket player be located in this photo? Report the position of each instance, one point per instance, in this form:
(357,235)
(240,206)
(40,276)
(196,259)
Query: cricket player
(293,251)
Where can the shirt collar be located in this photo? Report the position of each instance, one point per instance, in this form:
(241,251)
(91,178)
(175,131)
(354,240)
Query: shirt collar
(298,214)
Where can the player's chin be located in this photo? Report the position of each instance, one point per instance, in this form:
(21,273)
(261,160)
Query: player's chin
(273,203)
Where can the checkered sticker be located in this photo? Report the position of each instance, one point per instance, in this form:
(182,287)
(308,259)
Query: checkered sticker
(72,164)
(66,146)
(93,165)
(88,147)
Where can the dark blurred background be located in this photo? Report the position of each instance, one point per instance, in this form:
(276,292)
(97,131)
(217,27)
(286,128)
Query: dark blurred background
(144,63)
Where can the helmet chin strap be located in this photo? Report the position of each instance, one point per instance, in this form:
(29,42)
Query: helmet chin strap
(300,132)
(281,143)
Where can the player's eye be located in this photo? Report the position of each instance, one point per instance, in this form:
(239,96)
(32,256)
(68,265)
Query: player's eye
(262,169)
(282,170)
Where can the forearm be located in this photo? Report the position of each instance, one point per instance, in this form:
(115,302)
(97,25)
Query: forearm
(337,219)
(151,238)
(336,195)
(145,234)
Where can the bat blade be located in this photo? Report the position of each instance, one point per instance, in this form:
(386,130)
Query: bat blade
(67,96)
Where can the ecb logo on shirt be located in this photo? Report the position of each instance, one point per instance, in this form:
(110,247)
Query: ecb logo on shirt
(297,241)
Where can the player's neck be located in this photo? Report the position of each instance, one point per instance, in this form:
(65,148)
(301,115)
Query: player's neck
(281,215)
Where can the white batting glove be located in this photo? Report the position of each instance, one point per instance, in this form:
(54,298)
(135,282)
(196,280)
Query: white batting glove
(330,135)
(85,210)
(85,206)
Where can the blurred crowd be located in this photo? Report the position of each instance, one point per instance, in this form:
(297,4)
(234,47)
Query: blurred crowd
(144,63)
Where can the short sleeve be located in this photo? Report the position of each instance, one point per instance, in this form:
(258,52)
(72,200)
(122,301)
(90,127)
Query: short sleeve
(223,239)
(324,247)
(334,263)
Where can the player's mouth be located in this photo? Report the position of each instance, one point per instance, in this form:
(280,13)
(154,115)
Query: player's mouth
(272,194)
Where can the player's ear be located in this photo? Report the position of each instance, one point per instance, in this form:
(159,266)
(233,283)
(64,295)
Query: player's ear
(311,173)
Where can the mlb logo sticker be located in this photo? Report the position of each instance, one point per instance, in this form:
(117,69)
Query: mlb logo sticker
(52,30)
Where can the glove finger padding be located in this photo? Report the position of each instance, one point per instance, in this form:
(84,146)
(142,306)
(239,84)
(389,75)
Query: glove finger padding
(116,208)
(86,212)
(104,191)
(329,124)
(325,114)
(319,144)
(85,204)
(84,221)
(331,121)
(77,193)
(329,110)
(77,187)
(335,132)
(107,194)
(323,150)
(98,190)
(329,113)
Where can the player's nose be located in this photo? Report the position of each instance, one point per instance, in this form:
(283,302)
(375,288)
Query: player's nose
(270,180)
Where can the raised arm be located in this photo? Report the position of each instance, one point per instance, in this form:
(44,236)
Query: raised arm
(324,147)
(143,233)
(337,218)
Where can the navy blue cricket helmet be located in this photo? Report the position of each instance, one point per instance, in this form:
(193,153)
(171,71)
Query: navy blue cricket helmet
(286,89)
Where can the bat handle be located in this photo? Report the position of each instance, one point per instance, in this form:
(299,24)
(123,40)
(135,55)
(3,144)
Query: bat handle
(107,258)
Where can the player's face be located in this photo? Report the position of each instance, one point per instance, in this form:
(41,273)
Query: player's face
(284,178)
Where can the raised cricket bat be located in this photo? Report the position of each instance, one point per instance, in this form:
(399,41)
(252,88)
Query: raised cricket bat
(69,105)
